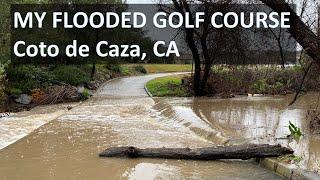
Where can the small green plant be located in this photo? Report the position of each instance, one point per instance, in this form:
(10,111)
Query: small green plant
(260,86)
(114,67)
(124,70)
(295,131)
(296,159)
(141,69)
(85,94)
(291,159)
(276,88)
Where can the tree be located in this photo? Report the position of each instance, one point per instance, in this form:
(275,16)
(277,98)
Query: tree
(208,44)
(198,42)
(182,6)
(202,52)
(298,29)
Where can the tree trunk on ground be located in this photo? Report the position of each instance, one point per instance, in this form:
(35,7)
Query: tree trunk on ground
(208,153)
(298,29)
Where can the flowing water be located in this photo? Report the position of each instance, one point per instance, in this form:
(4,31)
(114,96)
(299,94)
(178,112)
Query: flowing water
(18,125)
(248,120)
(122,114)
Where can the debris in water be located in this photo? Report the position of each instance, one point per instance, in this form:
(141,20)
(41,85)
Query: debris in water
(5,114)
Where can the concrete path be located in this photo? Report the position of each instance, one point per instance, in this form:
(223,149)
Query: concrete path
(129,86)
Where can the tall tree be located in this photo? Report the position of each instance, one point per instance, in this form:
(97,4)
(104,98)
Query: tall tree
(206,43)
(182,6)
(298,29)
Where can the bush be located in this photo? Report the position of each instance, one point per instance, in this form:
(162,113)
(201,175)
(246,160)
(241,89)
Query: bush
(85,94)
(260,86)
(70,75)
(141,69)
(259,79)
(118,69)
(23,79)
(114,68)
(124,70)
(277,88)
(28,77)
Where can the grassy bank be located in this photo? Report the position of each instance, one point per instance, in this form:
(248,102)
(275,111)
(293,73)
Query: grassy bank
(227,81)
(168,86)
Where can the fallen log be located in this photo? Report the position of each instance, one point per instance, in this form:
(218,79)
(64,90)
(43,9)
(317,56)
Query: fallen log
(208,153)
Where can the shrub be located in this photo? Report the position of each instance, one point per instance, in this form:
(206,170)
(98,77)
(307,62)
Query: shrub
(28,77)
(260,86)
(14,91)
(277,88)
(114,67)
(118,69)
(85,94)
(141,69)
(70,75)
(124,70)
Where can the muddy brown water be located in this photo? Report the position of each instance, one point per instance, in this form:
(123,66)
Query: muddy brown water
(249,120)
(121,114)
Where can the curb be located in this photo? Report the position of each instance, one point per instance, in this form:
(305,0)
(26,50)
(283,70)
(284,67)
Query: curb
(169,74)
(106,82)
(146,89)
(289,171)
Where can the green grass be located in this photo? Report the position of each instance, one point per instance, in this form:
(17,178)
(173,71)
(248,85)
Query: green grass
(159,68)
(167,86)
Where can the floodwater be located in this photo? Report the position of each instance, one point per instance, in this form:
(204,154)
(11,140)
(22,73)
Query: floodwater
(248,120)
(18,125)
(68,147)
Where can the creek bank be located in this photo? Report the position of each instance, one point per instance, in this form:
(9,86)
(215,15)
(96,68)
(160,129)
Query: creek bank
(229,81)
